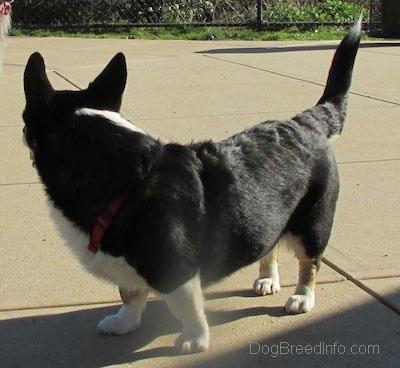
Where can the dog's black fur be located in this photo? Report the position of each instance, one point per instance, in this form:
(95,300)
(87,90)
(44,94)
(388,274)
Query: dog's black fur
(213,206)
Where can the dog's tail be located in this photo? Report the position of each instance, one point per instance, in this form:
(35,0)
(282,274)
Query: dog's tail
(331,107)
(339,78)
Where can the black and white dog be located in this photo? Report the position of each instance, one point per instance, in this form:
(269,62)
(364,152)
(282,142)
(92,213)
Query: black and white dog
(172,218)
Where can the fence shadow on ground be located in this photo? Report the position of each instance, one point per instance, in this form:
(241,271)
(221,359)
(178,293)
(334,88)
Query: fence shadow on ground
(294,48)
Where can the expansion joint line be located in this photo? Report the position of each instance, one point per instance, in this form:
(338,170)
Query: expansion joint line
(362,286)
(300,79)
(66,79)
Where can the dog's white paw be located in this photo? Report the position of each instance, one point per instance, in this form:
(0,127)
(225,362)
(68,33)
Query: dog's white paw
(300,304)
(119,324)
(266,286)
(114,325)
(189,343)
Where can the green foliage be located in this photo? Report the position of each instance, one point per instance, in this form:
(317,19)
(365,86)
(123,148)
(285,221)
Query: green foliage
(83,16)
(201,33)
(325,11)
(121,12)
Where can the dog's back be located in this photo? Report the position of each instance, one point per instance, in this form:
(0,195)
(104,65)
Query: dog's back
(276,178)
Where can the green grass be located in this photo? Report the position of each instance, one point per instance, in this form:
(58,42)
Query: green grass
(198,33)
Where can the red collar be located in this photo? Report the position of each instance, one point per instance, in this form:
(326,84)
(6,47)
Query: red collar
(103,221)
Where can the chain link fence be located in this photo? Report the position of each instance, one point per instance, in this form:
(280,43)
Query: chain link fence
(131,13)
(85,14)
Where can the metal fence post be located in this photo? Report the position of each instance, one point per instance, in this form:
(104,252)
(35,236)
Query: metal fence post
(391,17)
(259,15)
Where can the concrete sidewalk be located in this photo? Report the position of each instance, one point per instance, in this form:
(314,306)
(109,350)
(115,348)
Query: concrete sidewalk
(183,91)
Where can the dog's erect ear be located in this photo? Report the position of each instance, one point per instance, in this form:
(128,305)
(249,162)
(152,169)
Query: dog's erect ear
(108,87)
(38,89)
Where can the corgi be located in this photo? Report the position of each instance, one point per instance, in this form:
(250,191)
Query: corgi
(172,218)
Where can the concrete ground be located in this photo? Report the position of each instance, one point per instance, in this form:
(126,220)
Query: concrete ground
(183,91)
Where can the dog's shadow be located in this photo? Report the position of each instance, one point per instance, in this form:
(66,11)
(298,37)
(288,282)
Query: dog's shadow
(72,337)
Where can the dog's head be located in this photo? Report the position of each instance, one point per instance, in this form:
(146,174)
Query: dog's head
(47,109)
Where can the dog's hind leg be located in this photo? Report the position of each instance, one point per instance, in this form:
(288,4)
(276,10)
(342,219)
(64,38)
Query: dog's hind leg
(309,230)
(303,299)
(186,303)
(129,316)
(268,280)
(312,229)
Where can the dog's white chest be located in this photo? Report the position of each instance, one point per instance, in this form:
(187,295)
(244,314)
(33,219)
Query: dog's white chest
(114,269)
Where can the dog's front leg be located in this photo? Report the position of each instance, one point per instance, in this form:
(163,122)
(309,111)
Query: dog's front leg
(186,303)
(303,299)
(268,279)
(129,316)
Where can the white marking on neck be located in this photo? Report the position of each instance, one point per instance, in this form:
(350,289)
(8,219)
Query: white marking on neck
(101,264)
(112,116)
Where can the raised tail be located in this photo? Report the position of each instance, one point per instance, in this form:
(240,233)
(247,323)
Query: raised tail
(330,111)
(339,78)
